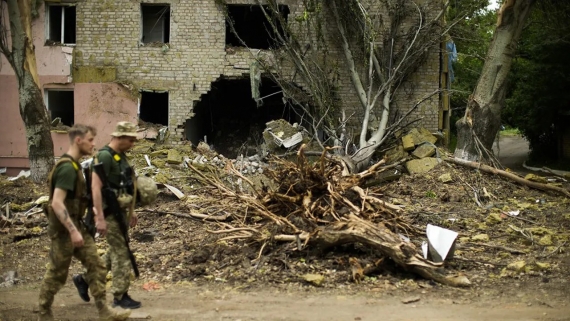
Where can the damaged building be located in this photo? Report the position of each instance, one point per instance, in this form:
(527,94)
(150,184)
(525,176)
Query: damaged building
(171,63)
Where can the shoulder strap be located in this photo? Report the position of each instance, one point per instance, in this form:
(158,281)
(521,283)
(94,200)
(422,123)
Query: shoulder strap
(63,159)
(111,151)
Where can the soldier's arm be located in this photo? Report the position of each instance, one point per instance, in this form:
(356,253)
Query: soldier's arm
(62,215)
(96,186)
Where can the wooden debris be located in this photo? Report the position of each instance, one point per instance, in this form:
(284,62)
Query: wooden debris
(175,191)
(520,180)
(318,205)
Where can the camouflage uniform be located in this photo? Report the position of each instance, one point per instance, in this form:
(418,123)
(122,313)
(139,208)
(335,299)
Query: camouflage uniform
(66,175)
(117,257)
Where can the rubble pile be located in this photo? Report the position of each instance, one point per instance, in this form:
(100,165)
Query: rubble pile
(418,144)
(263,218)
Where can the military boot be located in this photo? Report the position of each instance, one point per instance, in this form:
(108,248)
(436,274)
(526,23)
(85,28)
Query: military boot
(126,302)
(82,287)
(107,313)
(45,315)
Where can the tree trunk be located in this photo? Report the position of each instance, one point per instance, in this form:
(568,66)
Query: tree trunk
(22,58)
(38,135)
(477,129)
(379,237)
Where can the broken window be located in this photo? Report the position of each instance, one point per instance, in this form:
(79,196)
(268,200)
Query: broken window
(60,24)
(154,107)
(60,105)
(155,23)
(252,26)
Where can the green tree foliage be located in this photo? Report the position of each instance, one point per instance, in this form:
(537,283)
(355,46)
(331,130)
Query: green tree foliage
(472,36)
(540,81)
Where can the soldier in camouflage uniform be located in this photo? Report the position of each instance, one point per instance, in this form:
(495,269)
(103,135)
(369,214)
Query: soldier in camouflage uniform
(115,164)
(69,237)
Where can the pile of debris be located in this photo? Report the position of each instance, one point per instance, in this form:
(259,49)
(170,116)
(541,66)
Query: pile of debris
(256,211)
(420,145)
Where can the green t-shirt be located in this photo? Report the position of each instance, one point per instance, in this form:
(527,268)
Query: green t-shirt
(65,177)
(112,167)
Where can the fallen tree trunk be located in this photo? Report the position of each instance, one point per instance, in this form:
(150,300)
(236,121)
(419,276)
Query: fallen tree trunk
(520,180)
(356,230)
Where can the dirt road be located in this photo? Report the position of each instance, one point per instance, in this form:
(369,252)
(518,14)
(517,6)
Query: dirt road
(512,152)
(203,303)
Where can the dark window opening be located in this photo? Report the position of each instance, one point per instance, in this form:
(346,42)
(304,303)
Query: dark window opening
(60,104)
(155,23)
(252,26)
(61,23)
(154,108)
(230,118)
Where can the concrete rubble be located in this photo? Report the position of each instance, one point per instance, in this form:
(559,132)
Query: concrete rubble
(281,134)
(418,143)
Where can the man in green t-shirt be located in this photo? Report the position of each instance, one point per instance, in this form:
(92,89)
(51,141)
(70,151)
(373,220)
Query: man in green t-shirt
(69,237)
(119,176)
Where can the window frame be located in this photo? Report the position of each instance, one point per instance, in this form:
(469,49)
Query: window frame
(46,101)
(47,28)
(164,26)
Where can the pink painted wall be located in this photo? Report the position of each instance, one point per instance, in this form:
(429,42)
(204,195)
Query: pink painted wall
(102,105)
(13,145)
(99,105)
(51,60)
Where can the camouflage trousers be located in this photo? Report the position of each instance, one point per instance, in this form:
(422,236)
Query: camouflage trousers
(117,259)
(60,255)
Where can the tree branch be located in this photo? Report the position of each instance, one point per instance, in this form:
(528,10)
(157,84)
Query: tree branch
(350,59)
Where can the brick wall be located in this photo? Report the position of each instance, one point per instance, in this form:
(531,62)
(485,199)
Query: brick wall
(108,35)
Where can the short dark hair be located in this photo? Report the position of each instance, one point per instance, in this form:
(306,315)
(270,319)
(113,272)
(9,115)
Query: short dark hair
(80,130)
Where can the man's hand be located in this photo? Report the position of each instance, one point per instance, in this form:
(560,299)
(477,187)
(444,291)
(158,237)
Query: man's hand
(100,223)
(76,238)
(134,220)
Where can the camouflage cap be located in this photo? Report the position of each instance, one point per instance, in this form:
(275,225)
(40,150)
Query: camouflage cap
(147,190)
(125,128)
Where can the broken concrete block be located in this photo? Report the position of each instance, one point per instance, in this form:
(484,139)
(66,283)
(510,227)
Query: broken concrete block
(418,166)
(422,135)
(203,148)
(424,151)
(395,154)
(159,163)
(540,230)
(9,279)
(494,218)
(315,279)
(536,178)
(174,157)
(546,240)
(408,142)
(480,238)
(445,178)
(281,133)
(157,153)
(427,135)
(517,266)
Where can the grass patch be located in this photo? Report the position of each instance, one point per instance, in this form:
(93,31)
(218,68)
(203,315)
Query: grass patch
(510,132)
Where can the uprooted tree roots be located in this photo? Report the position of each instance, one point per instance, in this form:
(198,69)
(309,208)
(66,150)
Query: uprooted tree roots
(318,204)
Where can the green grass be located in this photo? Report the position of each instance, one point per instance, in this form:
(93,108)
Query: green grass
(510,132)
